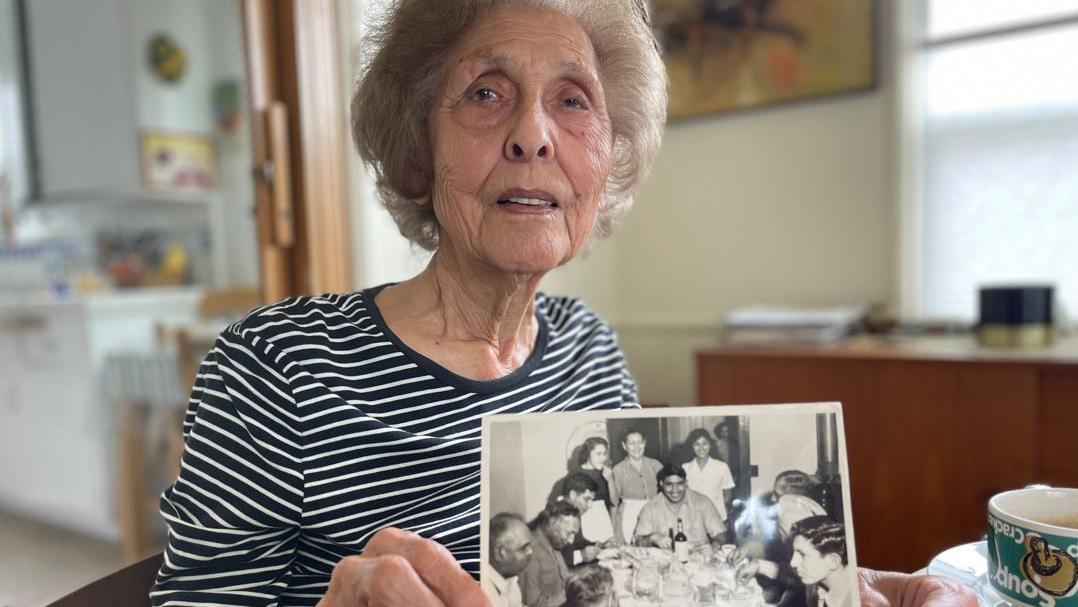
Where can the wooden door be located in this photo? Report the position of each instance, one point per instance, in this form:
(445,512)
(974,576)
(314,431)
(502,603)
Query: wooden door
(298,133)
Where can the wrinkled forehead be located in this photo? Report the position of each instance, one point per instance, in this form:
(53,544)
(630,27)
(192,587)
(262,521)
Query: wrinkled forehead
(515,38)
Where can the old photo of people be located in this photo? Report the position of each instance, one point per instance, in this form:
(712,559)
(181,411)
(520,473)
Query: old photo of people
(733,506)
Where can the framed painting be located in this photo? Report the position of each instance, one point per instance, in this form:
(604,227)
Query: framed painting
(724,55)
(177,161)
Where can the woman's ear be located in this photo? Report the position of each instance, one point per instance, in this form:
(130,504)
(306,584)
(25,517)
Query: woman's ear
(423,199)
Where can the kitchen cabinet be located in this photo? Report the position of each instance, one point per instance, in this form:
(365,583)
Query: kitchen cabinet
(57,423)
(933,428)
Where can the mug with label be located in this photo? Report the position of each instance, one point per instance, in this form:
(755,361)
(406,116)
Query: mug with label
(1033,546)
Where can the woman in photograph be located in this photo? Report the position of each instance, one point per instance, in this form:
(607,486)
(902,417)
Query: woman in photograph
(708,475)
(594,461)
(332,443)
(591,460)
(633,482)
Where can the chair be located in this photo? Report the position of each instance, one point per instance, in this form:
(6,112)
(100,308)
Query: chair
(128,587)
(151,390)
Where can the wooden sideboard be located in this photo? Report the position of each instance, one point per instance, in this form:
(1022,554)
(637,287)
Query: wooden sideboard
(933,428)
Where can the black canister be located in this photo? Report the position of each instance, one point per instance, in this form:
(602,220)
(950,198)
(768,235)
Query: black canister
(1016,316)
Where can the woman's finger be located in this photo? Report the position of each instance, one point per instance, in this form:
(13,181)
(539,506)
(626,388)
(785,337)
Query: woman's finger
(433,563)
(380,581)
(886,589)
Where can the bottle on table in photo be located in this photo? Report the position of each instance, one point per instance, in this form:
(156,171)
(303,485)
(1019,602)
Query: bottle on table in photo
(681,544)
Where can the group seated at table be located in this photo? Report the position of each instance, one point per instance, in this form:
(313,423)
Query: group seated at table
(796,549)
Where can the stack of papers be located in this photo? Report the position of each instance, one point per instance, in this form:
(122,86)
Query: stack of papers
(785,325)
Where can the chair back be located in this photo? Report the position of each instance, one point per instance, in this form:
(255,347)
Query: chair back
(128,587)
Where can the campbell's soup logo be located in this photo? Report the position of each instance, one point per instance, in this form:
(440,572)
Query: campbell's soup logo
(1042,572)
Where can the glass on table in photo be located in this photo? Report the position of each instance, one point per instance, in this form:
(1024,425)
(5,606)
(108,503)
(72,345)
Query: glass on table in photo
(646,580)
(677,589)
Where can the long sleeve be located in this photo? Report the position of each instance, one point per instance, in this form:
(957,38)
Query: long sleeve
(542,583)
(233,514)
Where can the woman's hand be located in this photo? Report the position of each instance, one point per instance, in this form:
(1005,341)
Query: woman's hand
(400,569)
(886,589)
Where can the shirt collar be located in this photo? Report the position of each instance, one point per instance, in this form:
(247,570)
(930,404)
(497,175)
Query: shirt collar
(500,583)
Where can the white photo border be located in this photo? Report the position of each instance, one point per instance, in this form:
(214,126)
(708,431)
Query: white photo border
(751,411)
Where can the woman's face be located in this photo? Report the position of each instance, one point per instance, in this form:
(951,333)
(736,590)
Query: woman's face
(811,566)
(597,457)
(701,447)
(634,445)
(521,142)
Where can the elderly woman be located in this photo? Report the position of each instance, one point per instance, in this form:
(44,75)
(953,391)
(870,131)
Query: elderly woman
(332,443)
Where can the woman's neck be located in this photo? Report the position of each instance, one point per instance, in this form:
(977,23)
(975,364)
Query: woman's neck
(474,320)
(702,461)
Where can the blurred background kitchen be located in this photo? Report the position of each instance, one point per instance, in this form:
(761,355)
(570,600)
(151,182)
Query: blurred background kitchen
(166,165)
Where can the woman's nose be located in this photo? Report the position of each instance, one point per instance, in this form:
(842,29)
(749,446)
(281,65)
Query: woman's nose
(530,138)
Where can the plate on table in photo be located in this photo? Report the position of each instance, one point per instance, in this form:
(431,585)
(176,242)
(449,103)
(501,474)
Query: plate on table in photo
(734,506)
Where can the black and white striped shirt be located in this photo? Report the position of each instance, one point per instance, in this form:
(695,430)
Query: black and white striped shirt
(311,426)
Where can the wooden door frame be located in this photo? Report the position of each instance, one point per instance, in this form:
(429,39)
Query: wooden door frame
(292,58)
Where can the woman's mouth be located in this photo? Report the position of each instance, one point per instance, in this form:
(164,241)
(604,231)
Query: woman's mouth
(527,201)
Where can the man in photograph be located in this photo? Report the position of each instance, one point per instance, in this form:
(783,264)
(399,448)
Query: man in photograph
(510,552)
(542,582)
(596,528)
(658,520)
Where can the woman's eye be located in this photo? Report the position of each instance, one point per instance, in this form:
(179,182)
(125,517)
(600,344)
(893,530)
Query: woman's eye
(575,103)
(484,94)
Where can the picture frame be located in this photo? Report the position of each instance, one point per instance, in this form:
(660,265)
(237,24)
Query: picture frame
(177,161)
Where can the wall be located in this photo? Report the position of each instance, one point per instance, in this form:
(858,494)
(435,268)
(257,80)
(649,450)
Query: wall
(794,204)
(778,443)
(545,448)
(507,466)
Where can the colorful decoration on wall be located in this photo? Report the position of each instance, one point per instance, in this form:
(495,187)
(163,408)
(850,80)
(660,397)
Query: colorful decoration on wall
(167,59)
(178,161)
(227,105)
(730,54)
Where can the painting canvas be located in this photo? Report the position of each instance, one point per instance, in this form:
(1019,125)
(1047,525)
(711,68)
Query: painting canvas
(178,161)
(730,54)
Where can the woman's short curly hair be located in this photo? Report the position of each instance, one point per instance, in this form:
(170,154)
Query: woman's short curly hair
(403,70)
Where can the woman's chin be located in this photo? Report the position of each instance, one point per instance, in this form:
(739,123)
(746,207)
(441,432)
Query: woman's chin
(528,257)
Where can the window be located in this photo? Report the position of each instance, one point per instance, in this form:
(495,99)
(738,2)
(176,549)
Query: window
(997,152)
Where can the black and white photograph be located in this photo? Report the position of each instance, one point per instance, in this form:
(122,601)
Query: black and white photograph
(720,506)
